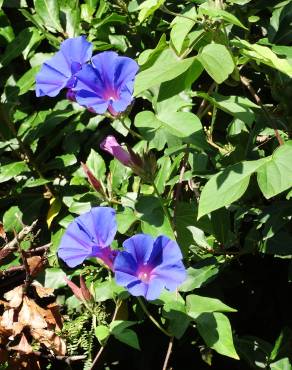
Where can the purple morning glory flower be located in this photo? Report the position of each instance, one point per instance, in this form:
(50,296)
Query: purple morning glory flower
(147,266)
(59,71)
(107,84)
(89,235)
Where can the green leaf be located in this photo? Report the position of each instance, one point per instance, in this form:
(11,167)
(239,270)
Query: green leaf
(148,7)
(283,364)
(220,14)
(216,331)
(275,175)
(22,43)
(96,165)
(185,125)
(166,67)
(197,305)
(263,54)
(125,219)
(54,278)
(151,129)
(12,219)
(203,273)
(238,106)
(12,170)
(154,221)
(218,68)
(6,30)
(179,321)
(227,186)
(27,81)
(102,333)
(49,10)
(106,290)
(181,27)
(119,329)
(163,173)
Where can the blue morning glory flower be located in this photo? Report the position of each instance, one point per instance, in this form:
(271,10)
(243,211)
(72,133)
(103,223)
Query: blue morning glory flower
(106,84)
(59,71)
(89,235)
(146,266)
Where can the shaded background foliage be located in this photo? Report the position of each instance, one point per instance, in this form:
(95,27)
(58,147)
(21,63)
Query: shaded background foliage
(213,103)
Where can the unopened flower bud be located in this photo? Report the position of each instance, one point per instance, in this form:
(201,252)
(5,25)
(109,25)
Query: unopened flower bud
(95,183)
(82,293)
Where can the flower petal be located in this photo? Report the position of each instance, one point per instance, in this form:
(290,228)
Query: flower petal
(105,64)
(77,49)
(126,69)
(99,224)
(165,251)
(91,101)
(53,76)
(75,245)
(171,275)
(138,288)
(155,287)
(123,102)
(89,79)
(125,263)
(140,247)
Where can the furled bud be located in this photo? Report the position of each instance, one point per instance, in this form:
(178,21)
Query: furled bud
(110,145)
(82,293)
(95,183)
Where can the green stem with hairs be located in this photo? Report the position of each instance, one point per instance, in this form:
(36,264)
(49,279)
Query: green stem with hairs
(156,323)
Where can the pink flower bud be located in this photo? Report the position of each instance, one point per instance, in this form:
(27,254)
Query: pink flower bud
(92,179)
(110,145)
(83,294)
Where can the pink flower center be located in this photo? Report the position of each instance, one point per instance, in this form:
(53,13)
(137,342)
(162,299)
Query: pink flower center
(111,95)
(144,273)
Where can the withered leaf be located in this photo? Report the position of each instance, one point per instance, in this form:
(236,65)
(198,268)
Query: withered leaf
(23,346)
(53,316)
(51,340)
(14,296)
(2,232)
(43,292)
(35,264)
(32,315)
(8,322)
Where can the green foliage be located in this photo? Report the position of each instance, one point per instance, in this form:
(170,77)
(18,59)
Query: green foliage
(213,108)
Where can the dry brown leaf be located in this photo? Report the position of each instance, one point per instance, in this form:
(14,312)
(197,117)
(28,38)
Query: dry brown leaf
(14,296)
(2,232)
(35,264)
(7,322)
(32,314)
(51,340)
(23,346)
(53,316)
(42,292)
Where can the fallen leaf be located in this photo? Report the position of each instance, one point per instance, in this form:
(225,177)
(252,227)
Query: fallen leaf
(35,264)
(14,296)
(32,315)
(8,322)
(2,232)
(23,346)
(53,316)
(51,340)
(42,292)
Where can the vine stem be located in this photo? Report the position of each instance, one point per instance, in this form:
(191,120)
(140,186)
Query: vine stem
(245,81)
(165,209)
(168,353)
(155,322)
(132,132)
(99,353)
